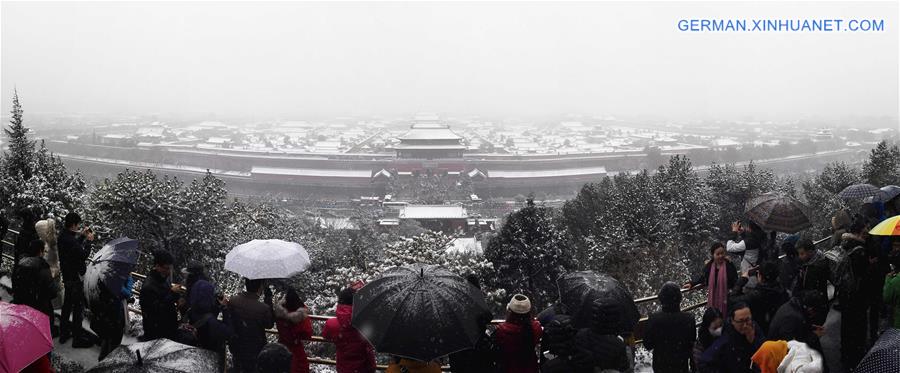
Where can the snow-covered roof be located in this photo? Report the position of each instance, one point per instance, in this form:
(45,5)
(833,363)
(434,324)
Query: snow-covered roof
(433,212)
(500,174)
(430,132)
(464,245)
(336,223)
(311,172)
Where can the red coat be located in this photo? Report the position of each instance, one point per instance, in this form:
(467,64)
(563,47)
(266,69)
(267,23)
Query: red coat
(292,334)
(354,353)
(41,365)
(515,357)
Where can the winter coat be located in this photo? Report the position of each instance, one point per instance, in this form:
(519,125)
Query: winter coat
(201,301)
(731,352)
(24,238)
(595,352)
(158,307)
(46,231)
(41,365)
(671,336)
(840,223)
(479,359)
(73,254)
(763,299)
(559,335)
(107,313)
(791,323)
(703,277)
(801,359)
(891,294)
(516,356)
(813,275)
(412,366)
(789,268)
(251,318)
(33,286)
(354,353)
(293,329)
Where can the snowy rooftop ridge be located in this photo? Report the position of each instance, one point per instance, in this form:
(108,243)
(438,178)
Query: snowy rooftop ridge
(433,212)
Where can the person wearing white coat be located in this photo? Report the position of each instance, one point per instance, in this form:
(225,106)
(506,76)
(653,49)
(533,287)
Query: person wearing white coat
(46,231)
(801,359)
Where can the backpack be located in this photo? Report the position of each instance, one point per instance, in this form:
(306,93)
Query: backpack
(841,265)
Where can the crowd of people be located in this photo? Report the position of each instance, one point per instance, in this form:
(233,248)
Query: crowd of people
(768,303)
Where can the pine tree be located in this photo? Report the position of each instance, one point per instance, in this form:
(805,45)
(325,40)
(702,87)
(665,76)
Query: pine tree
(529,254)
(21,149)
(883,166)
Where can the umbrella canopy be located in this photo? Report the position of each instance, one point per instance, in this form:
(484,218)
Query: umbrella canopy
(579,290)
(24,336)
(887,193)
(778,213)
(267,259)
(420,312)
(884,357)
(111,267)
(888,227)
(158,356)
(859,191)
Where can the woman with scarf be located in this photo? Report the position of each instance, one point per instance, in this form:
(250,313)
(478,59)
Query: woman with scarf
(718,275)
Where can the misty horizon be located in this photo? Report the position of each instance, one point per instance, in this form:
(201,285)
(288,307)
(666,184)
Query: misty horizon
(499,60)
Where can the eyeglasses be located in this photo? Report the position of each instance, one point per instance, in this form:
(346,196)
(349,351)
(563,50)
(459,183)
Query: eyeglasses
(743,321)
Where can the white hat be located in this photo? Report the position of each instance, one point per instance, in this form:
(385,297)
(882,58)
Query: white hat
(519,304)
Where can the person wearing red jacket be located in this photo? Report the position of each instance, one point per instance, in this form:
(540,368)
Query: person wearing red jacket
(293,328)
(518,338)
(354,353)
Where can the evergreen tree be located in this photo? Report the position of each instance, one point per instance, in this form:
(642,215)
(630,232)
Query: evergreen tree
(529,254)
(21,149)
(731,188)
(883,166)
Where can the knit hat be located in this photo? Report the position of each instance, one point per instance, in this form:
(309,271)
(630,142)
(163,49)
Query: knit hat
(670,294)
(519,304)
(770,355)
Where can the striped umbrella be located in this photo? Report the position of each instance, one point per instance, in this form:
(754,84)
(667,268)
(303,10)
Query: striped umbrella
(859,191)
(778,213)
(888,227)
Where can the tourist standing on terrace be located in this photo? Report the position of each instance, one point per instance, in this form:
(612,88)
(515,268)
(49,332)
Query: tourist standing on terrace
(203,306)
(599,347)
(74,249)
(354,353)
(294,327)
(670,333)
(158,298)
(765,298)
(251,318)
(518,337)
(740,339)
(719,275)
(33,284)
(709,330)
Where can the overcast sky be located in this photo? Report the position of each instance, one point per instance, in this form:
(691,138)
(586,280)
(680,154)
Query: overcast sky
(496,59)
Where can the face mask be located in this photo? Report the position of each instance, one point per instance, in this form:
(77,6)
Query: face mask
(716,332)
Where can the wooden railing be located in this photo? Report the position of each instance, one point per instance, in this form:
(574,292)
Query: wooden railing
(322,318)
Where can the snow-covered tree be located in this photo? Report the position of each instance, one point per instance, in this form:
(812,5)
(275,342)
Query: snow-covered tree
(821,192)
(530,253)
(883,166)
(35,179)
(731,188)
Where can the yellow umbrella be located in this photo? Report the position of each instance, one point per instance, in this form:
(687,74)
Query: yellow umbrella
(888,227)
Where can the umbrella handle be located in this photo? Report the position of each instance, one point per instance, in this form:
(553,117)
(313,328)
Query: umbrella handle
(140,362)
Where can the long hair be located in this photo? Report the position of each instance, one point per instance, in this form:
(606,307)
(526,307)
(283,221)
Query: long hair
(524,321)
(709,316)
(292,301)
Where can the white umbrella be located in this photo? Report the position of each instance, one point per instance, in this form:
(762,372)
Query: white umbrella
(267,259)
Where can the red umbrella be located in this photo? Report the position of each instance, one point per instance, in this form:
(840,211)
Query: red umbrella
(24,336)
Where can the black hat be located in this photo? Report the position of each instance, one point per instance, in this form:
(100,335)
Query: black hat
(670,294)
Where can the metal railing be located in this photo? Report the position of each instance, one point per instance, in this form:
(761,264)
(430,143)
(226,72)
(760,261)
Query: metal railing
(322,318)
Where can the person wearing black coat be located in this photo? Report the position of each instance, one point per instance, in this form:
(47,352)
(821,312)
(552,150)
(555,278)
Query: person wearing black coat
(74,249)
(158,298)
(33,284)
(789,265)
(800,319)
(670,334)
(108,319)
(479,359)
(251,319)
(599,347)
(765,298)
(814,271)
(27,233)
(203,306)
(740,339)
(558,339)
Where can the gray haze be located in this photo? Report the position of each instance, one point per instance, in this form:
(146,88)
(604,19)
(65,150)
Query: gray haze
(509,59)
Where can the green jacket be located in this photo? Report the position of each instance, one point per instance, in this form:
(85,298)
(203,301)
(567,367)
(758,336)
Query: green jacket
(891,295)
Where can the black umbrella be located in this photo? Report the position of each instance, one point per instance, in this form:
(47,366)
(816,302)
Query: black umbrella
(111,267)
(579,290)
(884,357)
(859,191)
(778,213)
(420,312)
(158,356)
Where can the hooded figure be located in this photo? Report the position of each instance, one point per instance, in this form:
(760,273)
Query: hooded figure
(354,353)
(46,231)
(670,333)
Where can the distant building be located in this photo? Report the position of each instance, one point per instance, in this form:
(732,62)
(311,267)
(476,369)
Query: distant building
(430,141)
